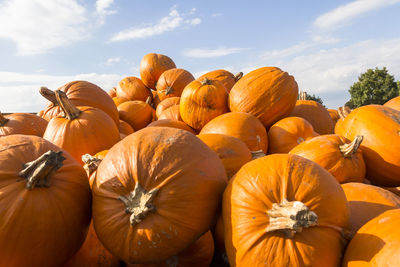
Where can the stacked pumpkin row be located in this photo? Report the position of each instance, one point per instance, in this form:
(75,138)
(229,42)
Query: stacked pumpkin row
(156,194)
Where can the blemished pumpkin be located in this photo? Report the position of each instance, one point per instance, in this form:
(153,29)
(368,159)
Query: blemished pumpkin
(287,133)
(224,76)
(241,125)
(376,243)
(137,113)
(338,155)
(232,151)
(83,130)
(171,113)
(284,210)
(173,124)
(132,88)
(152,66)
(179,182)
(268,93)
(45,203)
(201,101)
(172,82)
(166,103)
(22,123)
(380,127)
(393,103)
(367,202)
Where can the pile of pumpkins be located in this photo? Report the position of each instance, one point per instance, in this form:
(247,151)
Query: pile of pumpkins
(222,170)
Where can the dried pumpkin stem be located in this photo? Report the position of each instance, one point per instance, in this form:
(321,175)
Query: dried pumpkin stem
(3,120)
(48,94)
(343,111)
(351,148)
(290,217)
(169,90)
(303,95)
(205,81)
(91,163)
(139,203)
(257,154)
(38,172)
(70,111)
(238,76)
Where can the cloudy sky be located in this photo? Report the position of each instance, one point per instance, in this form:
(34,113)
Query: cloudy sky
(325,45)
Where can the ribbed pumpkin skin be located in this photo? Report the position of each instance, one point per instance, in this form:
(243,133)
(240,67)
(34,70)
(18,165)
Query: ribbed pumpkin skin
(376,243)
(152,66)
(393,103)
(334,115)
(198,254)
(267,93)
(367,202)
(268,180)
(83,93)
(190,178)
(43,226)
(132,88)
(241,125)
(201,101)
(173,124)
(166,103)
(137,113)
(316,114)
(173,81)
(171,113)
(287,133)
(380,127)
(224,76)
(232,151)
(23,123)
(325,151)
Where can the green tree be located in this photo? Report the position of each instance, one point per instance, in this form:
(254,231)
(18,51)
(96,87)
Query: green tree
(315,98)
(373,87)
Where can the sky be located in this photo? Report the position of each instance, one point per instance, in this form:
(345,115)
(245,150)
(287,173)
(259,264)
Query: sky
(325,45)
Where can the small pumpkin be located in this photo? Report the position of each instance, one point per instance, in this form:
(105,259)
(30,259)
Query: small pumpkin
(223,76)
(137,113)
(173,124)
(172,82)
(166,103)
(118,100)
(125,127)
(152,66)
(171,113)
(132,88)
(22,123)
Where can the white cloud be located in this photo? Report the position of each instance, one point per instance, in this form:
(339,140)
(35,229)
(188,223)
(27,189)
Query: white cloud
(344,13)
(216,15)
(37,26)
(171,22)
(209,53)
(113,60)
(102,6)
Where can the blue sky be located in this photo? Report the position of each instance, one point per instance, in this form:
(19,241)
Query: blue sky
(325,45)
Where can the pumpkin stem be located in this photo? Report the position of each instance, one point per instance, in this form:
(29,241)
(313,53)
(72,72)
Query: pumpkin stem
(149,100)
(70,111)
(139,203)
(343,111)
(238,76)
(290,217)
(169,90)
(351,148)
(205,81)
(91,163)
(303,95)
(3,120)
(48,94)
(38,172)
(257,154)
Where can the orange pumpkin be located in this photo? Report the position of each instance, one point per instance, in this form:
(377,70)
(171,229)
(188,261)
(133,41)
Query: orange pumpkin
(179,182)
(132,88)
(380,127)
(287,133)
(393,103)
(338,155)
(223,76)
(45,203)
(152,66)
(171,113)
(112,92)
(172,82)
(156,100)
(172,123)
(118,100)
(201,101)
(92,163)
(268,93)
(137,113)
(125,128)
(284,210)
(22,123)
(334,115)
(166,103)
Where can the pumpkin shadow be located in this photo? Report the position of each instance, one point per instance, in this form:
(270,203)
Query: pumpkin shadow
(367,247)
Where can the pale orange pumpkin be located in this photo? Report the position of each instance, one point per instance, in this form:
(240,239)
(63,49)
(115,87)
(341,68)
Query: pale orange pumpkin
(152,66)
(132,88)
(172,82)
(22,123)
(224,76)
(137,113)
(173,124)
(171,113)
(166,103)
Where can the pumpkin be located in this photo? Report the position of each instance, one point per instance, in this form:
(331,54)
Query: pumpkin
(223,76)
(334,115)
(338,155)
(45,203)
(80,93)
(241,125)
(152,66)
(132,88)
(232,151)
(172,123)
(394,190)
(112,92)
(380,127)
(172,82)
(287,133)
(376,243)
(137,113)
(22,123)
(284,210)
(201,101)
(155,100)
(268,93)
(179,182)
(166,103)
(171,113)
(198,254)
(367,202)
(83,130)
(343,112)
(118,100)
(393,103)
(91,164)
(125,128)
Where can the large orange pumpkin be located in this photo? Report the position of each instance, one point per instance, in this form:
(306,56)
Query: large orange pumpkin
(380,127)
(132,88)
(268,93)
(155,193)
(22,123)
(201,101)
(172,82)
(224,76)
(166,103)
(137,113)
(172,123)
(45,203)
(393,103)
(152,66)
(284,210)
